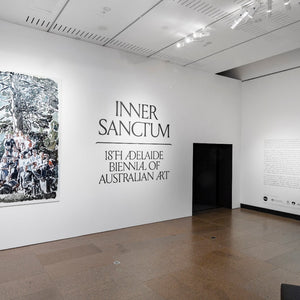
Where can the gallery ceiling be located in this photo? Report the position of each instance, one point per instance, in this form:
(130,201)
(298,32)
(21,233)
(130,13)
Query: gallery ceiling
(152,28)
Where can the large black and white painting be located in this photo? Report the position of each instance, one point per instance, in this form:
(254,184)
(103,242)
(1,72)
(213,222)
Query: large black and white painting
(28,138)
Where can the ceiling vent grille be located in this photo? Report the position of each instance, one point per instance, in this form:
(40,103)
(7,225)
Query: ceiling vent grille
(204,8)
(280,18)
(130,47)
(229,19)
(241,2)
(79,34)
(41,24)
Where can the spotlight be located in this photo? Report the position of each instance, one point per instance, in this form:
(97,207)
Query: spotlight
(179,44)
(197,35)
(253,9)
(201,34)
(247,12)
(242,16)
(269,9)
(188,39)
(287,4)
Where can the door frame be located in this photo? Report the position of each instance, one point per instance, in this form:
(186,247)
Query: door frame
(220,145)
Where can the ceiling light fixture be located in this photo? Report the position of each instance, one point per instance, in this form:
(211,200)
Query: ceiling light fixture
(179,44)
(196,36)
(287,4)
(247,13)
(188,39)
(201,34)
(242,16)
(253,9)
(269,8)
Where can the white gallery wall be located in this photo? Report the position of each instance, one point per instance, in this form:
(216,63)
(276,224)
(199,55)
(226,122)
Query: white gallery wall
(198,107)
(270,144)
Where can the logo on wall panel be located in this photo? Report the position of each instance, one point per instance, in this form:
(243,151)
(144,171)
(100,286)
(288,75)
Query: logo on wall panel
(277,200)
(28,138)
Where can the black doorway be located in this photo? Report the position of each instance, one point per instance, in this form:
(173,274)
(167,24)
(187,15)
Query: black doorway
(212,176)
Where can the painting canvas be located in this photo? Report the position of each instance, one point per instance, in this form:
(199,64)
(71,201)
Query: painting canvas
(28,139)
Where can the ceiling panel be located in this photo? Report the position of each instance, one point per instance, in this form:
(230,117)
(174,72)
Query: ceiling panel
(172,59)
(223,38)
(267,46)
(152,27)
(219,39)
(97,21)
(38,14)
(172,20)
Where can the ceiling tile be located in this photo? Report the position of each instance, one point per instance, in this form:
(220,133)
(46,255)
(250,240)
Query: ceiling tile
(97,21)
(152,27)
(38,14)
(173,20)
(223,38)
(252,51)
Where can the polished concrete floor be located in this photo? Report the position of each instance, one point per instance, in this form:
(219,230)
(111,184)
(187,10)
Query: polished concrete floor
(220,254)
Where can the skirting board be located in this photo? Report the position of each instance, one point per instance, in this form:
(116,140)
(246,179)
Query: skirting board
(270,211)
